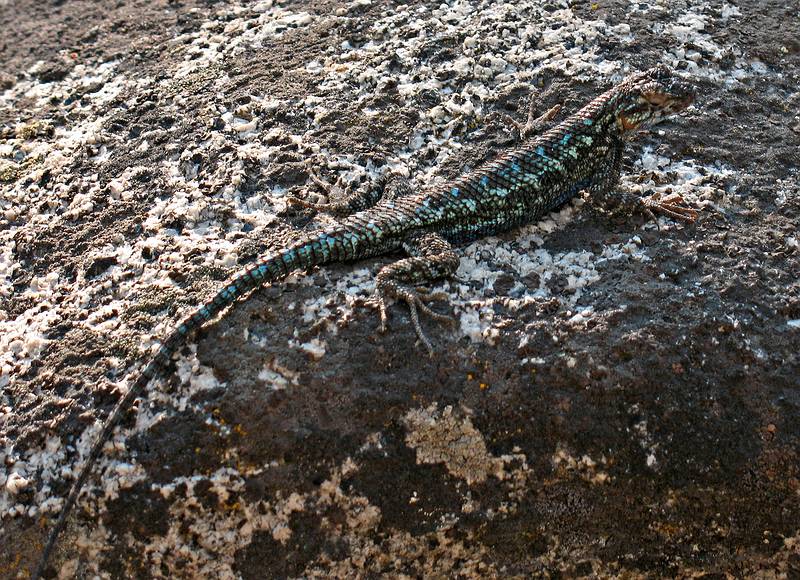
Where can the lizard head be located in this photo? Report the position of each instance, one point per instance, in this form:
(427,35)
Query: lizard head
(644,99)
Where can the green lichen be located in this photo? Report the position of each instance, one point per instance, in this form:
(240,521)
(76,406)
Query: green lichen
(34,129)
(9,172)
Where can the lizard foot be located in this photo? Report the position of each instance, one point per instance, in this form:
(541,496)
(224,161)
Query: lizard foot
(539,124)
(519,131)
(300,202)
(330,190)
(672,206)
(417,302)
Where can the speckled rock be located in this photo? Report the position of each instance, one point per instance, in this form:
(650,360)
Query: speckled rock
(616,399)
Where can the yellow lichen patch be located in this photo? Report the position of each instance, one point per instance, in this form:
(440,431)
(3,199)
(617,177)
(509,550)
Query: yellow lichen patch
(401,555)
(33,129)
(445,437)
(587,468)
(9,171)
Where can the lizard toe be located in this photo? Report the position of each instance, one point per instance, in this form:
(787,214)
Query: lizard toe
(379,303)
(672,207)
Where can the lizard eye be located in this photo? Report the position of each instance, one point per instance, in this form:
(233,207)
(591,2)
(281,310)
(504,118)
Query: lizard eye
(660,73)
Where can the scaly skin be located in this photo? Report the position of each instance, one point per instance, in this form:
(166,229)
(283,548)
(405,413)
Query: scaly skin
(524,184)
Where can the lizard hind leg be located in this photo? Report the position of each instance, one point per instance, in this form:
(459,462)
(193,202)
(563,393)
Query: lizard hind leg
(430,258)
(387,186)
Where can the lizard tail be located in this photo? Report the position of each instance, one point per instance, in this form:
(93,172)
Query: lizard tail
(319,249)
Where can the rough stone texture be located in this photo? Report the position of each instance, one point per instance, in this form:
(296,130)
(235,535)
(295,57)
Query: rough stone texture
(615,400)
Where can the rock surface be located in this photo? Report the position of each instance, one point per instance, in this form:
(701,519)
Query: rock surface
(615,400)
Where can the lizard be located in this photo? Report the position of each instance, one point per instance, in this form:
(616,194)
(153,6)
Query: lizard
(542,173)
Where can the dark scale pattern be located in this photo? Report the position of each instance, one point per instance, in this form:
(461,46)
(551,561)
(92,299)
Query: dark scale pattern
(519,187)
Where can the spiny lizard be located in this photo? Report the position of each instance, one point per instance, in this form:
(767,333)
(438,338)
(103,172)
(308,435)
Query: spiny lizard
(582,153)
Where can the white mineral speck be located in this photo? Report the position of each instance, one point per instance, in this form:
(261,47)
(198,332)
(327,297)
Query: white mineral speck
(115,186)
(246,126)
(16,483)
(315,347)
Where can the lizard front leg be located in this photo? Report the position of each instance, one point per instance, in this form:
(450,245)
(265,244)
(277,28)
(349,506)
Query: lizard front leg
(533,126)
(430,258)
(672,205)
(608,192)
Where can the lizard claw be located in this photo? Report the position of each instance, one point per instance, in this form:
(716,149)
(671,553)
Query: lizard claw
(317,180)
(671,206)
(300,202)
(417,302)
(330,189)
(379,303)
(537,125)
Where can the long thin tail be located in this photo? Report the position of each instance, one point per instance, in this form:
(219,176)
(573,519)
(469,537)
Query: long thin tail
(270,268)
